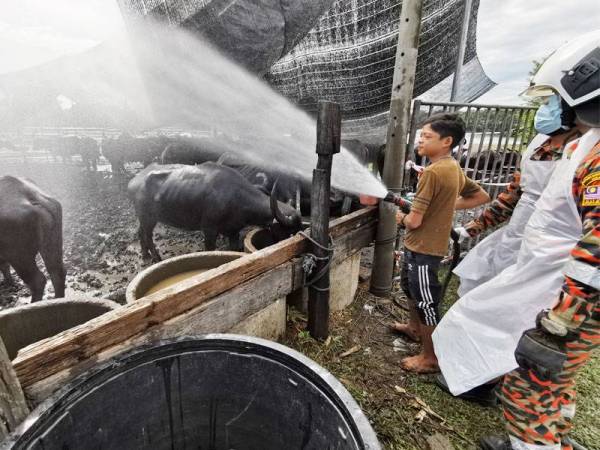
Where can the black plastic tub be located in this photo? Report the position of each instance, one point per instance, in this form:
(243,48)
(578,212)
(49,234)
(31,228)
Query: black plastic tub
(217,392)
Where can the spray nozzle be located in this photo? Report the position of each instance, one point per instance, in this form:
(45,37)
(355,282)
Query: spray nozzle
(399,201)
(390,197)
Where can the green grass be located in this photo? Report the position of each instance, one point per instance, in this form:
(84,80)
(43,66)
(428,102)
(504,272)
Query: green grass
(393,399)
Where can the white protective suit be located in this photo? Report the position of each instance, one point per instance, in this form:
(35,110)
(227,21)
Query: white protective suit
(499,250)
(476,339)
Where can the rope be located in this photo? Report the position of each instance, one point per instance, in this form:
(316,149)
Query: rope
(309,263)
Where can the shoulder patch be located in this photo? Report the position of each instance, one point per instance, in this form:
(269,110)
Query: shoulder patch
(591,196)
(593,179)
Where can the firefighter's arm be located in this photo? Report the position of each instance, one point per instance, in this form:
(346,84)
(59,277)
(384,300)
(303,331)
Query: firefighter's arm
(543,349)
(500,210)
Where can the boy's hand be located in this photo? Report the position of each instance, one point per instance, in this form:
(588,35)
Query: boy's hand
(462,234)
(474,228)
(400,218)
(367,200)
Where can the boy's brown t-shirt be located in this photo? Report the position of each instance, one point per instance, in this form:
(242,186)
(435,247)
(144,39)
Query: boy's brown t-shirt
(439,186)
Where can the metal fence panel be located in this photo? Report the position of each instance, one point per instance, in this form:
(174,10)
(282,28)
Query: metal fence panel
(496,137)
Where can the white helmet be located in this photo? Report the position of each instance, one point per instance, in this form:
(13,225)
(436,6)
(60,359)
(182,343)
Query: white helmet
(573,71)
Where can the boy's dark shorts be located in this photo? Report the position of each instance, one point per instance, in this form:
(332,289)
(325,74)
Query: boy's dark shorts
(419,281)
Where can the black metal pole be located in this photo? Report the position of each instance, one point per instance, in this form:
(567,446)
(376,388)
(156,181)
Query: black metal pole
(328,143)
(462,45)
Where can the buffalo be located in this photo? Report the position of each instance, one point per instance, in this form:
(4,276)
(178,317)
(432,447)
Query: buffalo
(31,223)
(129,149)
(191,151)
(208,197)
(290,189)
(65,147)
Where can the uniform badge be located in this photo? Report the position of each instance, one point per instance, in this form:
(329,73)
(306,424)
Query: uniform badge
(591,180)
(591,196)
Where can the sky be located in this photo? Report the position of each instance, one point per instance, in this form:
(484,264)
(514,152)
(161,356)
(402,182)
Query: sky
(511,33)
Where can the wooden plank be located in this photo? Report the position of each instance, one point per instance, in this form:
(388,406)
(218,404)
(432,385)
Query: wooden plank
(354,241)
(70,347)
(217,315)
(343,225)
(13,408)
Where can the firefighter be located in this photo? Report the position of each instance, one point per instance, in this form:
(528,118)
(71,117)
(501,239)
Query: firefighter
(555,123)
(563,234)
(476,339)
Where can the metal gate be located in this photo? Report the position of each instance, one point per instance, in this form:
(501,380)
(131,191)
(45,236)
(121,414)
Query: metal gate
(496,137)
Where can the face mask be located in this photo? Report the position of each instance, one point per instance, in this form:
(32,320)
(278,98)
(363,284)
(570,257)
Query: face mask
(547,119)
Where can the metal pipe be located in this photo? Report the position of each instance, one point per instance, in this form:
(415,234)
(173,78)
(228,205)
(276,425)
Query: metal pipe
(398,123)
(410,149)
(458,104)
(462,44)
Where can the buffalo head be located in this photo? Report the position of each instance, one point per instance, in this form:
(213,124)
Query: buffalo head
(288,219)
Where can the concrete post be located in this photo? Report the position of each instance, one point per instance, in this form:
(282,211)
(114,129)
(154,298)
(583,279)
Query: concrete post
(398,127)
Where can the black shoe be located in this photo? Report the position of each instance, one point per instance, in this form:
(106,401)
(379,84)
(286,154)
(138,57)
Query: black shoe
(484,395)
(495,443)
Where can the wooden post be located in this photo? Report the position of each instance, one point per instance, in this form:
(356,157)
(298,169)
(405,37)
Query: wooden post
(398,125)
(13,408)
(328,143)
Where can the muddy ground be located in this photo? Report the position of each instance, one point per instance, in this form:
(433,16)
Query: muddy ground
(101,249)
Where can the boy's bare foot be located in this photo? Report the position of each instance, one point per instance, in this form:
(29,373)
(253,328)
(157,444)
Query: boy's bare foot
(407,330)
(420,364)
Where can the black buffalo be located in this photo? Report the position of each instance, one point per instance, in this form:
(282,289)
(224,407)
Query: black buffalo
(31,223)
(208,197)
(65,147)
(192,151)
(291,189)
(128,149)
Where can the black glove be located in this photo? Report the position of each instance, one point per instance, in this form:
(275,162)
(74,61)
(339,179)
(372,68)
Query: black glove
(541,352)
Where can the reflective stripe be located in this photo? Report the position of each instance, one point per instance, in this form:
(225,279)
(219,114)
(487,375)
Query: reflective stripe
(426,297)
(430,297)
(422,302)
(583,272)
(568,410)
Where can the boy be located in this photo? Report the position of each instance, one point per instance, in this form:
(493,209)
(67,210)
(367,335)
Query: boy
(442,188)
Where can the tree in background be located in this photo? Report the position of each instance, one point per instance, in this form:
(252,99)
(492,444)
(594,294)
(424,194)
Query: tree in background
(533,102)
